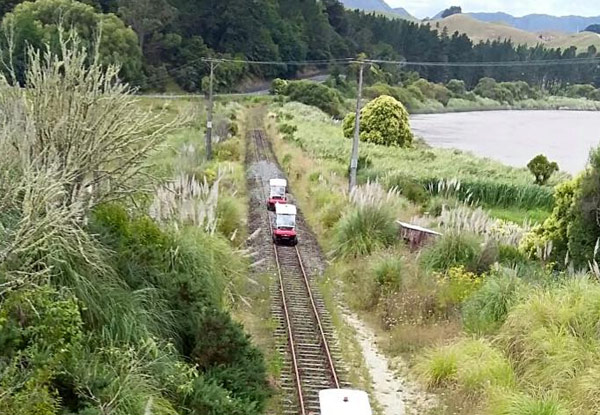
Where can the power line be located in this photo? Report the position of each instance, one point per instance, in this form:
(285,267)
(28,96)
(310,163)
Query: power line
(541,62)
(349,61)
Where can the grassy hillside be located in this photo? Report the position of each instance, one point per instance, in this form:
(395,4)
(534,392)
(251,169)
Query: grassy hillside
(481,31)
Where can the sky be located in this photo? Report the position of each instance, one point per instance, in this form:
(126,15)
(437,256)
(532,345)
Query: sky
(428,8)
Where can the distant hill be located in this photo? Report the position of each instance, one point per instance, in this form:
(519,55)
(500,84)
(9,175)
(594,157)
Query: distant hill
(369,5)
(482,31)
(539,22)
(404,14)
(478,30)
(379,6)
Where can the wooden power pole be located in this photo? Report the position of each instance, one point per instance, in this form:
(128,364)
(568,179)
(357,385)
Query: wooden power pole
(354,158)
(209,115)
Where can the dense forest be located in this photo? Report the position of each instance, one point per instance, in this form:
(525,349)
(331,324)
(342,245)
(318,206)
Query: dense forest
(174,35)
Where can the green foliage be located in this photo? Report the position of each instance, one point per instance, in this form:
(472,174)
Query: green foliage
(452,250)
(580,91)
(39,330)
(315,94)
(457,87)
(450,11)
(409,188)
(542,169)
(486,310)
(555,228)
(595,28)
(505,92)
(572,228)
(383,121)
(456,285)
(363,230)
(189,273)
(37,23)
(278,87)
(389,272)
(433,91)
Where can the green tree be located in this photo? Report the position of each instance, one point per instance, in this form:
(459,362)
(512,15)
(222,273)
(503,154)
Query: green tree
(542,169)
(451,11)
(36,24)
(146,16)
(316,94)
(595,28)
(457,87)
(383,121)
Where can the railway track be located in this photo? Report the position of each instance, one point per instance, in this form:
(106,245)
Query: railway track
(308,344)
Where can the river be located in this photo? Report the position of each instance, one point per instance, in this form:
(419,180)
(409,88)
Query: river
(515,137)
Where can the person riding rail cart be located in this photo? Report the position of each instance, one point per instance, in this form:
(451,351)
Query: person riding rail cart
(277,193)
(285,224)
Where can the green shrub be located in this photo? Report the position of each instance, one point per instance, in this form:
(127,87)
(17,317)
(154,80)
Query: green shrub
(485,311)
(452,250)
(409,188)
(542,169)
(278,87)
(580,91)
(388,273)
(434,91)
(364,230)
(383,121)
(316,94)
(457,87)
(228,150)
(379,89)
(456,285)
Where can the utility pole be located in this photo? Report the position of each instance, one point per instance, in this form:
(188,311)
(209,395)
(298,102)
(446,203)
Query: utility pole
(354,158)
(209,115)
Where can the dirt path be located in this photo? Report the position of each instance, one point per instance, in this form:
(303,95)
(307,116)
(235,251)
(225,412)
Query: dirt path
(395,394)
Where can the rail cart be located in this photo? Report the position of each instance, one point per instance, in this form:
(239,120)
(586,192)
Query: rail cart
(344,402)
(277,193)
(285,224)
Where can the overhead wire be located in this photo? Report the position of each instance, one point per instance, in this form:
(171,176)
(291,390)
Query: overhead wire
(406,63)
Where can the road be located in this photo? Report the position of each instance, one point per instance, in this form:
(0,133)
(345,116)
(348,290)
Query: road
(264,90)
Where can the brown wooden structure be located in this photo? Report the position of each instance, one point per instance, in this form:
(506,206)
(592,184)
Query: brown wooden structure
(416,236)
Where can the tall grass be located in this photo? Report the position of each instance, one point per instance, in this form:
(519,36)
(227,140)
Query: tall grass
(471,365)
(364,230)
(514,403)
(486,310)
(492,192)
(477,221)
(452,250)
